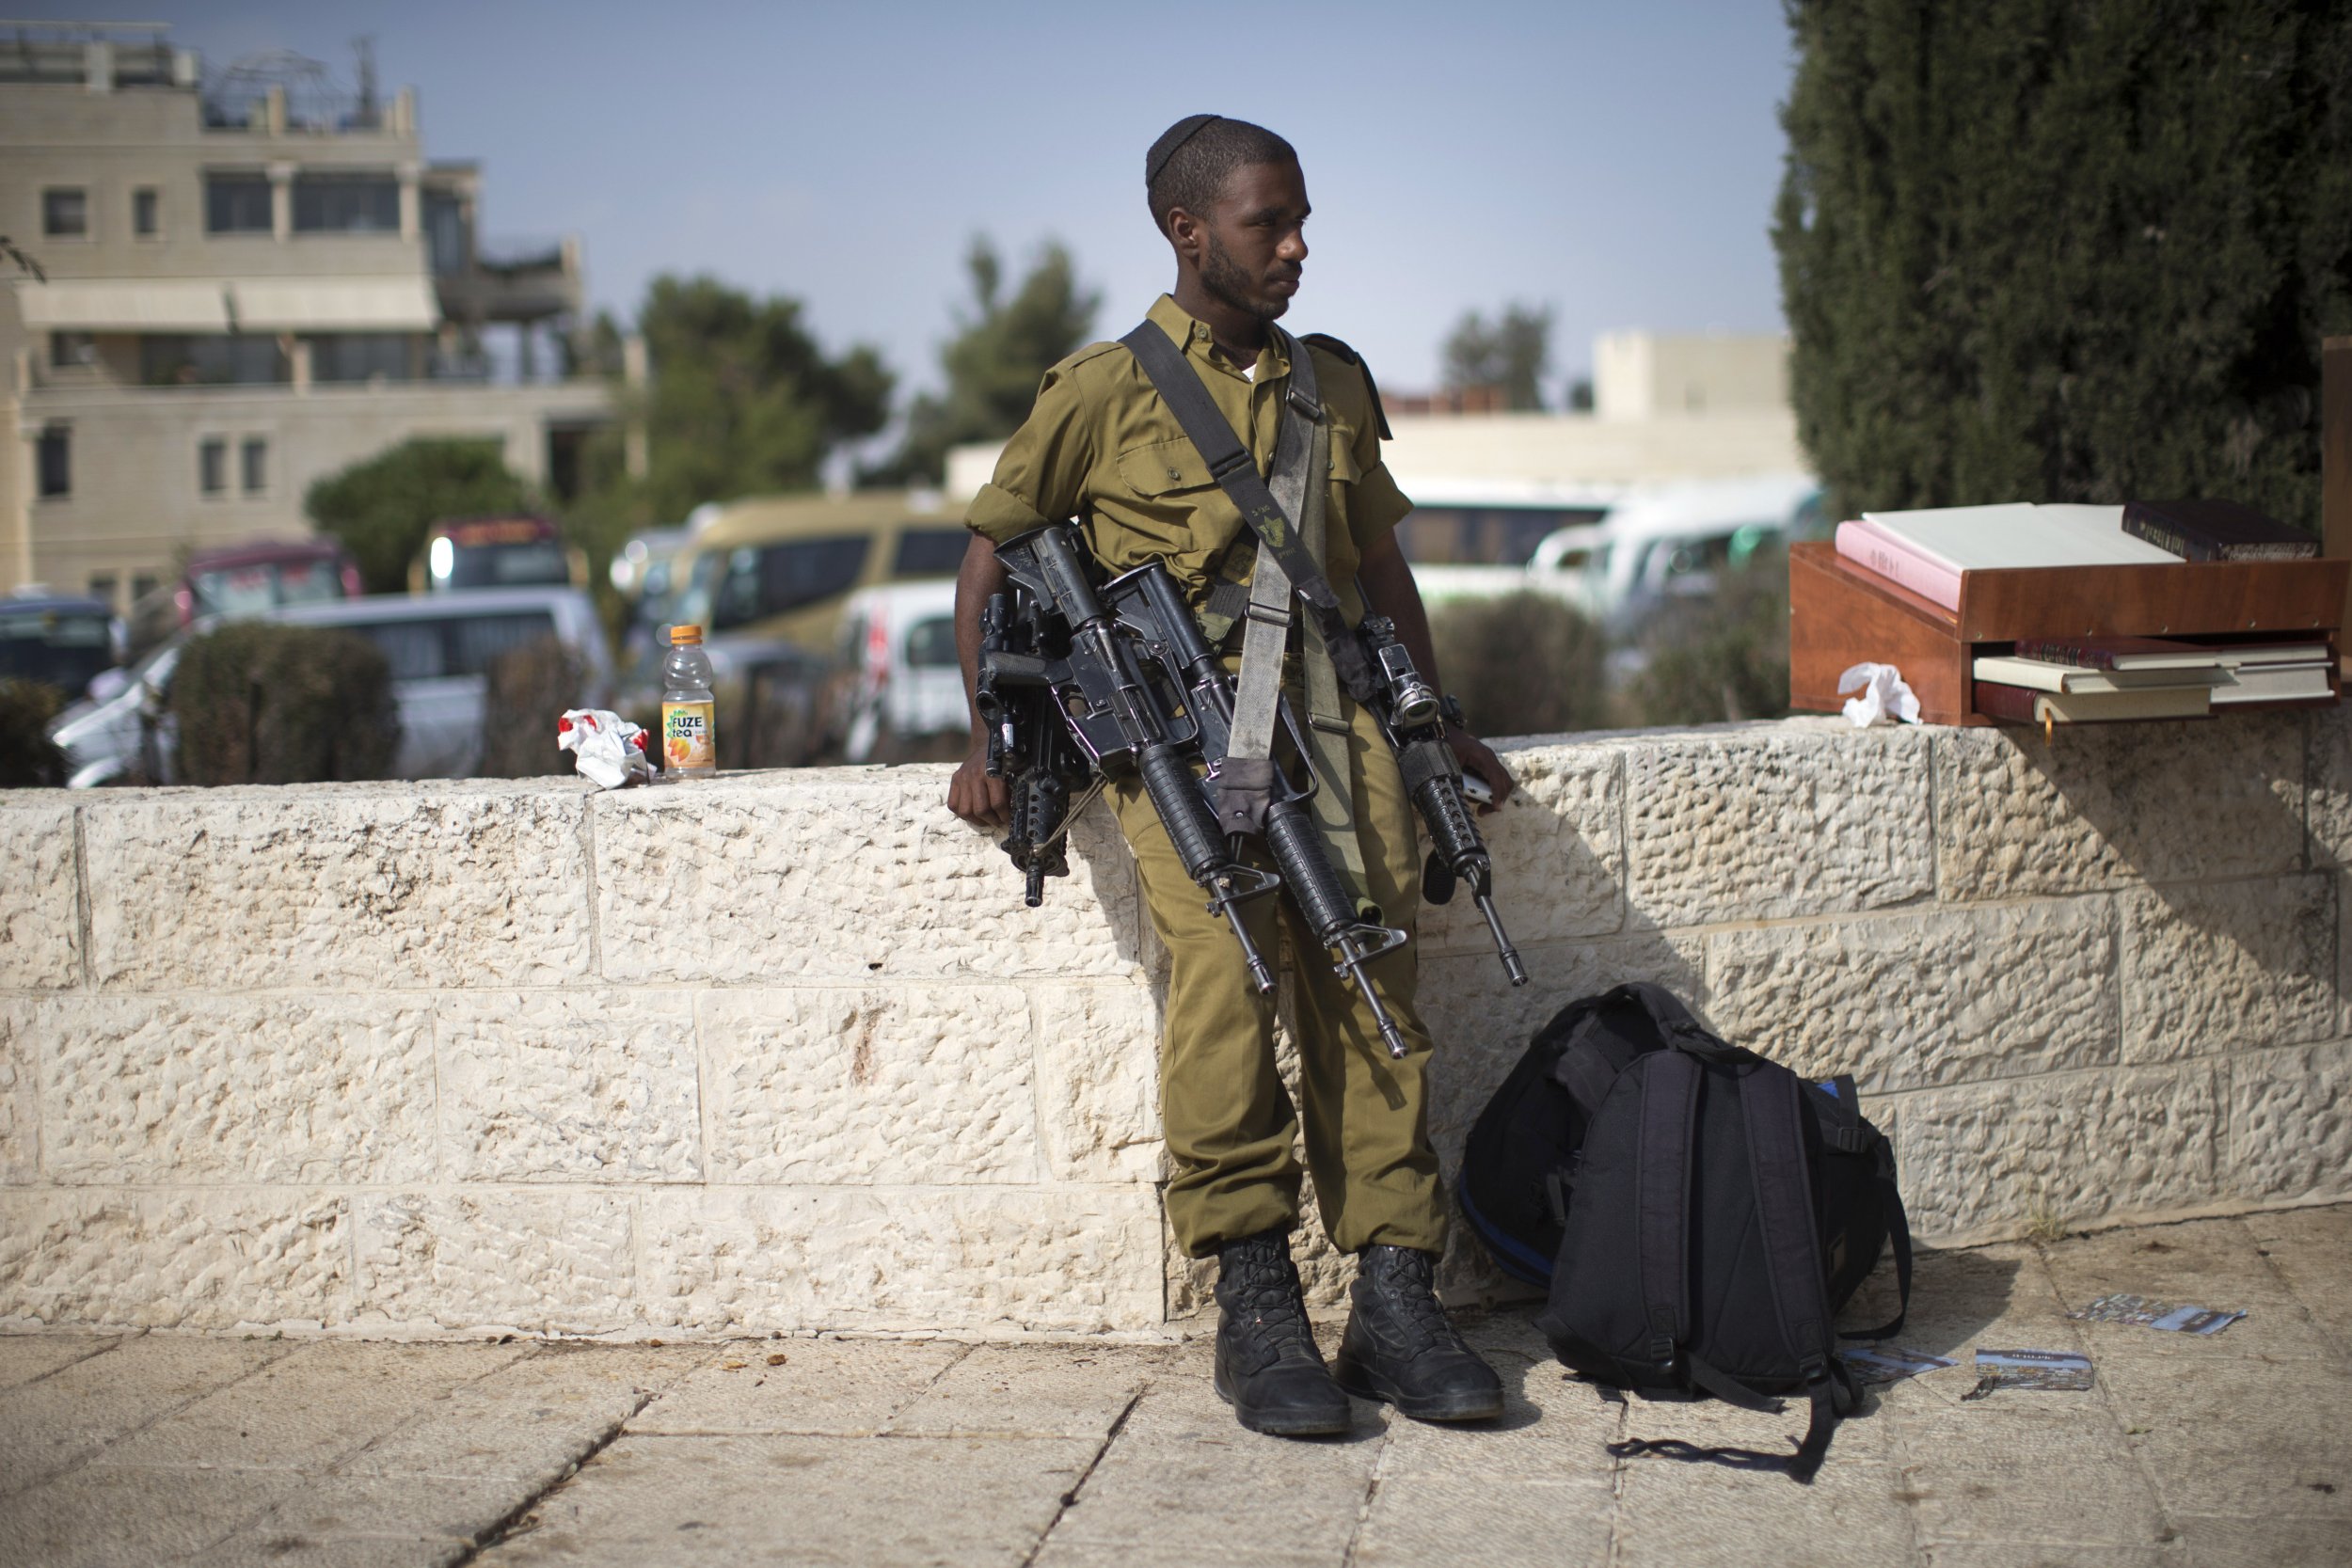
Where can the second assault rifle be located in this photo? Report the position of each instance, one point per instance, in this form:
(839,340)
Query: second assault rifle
(1125,676)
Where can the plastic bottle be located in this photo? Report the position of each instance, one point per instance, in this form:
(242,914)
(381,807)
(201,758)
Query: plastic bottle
(690,737)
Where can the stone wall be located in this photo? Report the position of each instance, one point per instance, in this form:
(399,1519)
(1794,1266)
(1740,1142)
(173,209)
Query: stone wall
(787,1052)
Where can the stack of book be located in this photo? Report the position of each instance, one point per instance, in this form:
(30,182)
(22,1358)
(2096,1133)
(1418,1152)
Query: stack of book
(1926,551)
(2087,680)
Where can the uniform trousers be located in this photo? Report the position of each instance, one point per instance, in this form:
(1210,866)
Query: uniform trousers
(1230,1124)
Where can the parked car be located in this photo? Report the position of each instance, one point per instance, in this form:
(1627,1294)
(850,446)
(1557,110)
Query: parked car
(60,640)
(899,685)
(495,552)
(245,580)
(440,650)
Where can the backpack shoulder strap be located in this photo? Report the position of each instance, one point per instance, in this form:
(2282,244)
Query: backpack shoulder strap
(1669,1108)
(1771,1109)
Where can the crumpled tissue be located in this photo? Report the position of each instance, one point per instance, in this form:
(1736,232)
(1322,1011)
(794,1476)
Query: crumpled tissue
(608,750)
(1884,697)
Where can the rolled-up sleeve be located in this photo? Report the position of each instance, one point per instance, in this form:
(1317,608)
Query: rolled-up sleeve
(1041,472)
(1379,504)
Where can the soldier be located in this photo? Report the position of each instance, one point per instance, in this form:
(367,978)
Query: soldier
(1101,446)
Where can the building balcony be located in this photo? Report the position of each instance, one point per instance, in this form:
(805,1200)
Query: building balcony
(513,281)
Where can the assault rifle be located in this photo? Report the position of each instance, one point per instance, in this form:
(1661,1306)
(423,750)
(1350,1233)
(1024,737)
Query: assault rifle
(1126,673)
(1412,717)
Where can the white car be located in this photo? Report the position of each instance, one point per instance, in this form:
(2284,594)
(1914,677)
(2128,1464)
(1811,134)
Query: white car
(1669,541)
(902,684)
(440,650)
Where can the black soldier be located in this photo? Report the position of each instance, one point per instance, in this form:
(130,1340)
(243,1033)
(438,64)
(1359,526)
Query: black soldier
(1103,446)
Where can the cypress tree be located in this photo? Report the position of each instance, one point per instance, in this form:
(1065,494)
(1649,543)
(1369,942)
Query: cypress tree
(2066,249)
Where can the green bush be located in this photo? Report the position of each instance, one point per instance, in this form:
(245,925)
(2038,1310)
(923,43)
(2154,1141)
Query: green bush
(381,507)
(28,758)
(258,703)
(529,688)
(1718,658)
(1522,664)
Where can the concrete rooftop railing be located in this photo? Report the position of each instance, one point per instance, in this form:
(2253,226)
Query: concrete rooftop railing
(785,1051)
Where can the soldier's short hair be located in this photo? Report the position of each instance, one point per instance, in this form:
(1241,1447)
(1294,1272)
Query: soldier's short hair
(1189,166)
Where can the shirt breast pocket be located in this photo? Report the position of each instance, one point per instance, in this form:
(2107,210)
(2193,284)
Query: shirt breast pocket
(1164,468)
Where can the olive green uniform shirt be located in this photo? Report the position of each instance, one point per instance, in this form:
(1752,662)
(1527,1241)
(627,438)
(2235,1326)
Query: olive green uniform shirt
(1102,447)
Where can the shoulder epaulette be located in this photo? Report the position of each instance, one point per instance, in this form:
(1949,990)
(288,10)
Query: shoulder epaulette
(1340,351)
(1091,351)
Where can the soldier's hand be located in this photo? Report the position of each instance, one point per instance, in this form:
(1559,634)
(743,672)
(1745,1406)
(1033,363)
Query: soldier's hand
(1478,758)
(977,798)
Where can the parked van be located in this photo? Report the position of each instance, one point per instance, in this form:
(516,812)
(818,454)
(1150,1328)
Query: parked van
(1672,540)
(245,580)
(899,686)
(60,640)
(440,650)
(495,552)
(766,580)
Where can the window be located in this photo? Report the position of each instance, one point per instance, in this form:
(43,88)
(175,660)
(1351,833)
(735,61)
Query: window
(55,461)
(212,465)
(65,212)
(931,644)
(346,204)
(771,579)
(145,214)
(220,359)
(930,552)
(253,465)
(69,349)
(444,646)
(142,585)
(360,356)
(237,204)
(444,232)
(102,586)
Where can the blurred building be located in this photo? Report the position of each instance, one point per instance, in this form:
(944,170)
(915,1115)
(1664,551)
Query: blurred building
(251,282)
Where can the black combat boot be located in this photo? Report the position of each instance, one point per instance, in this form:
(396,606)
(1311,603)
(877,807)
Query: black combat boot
(1400,1347)
(1267,1367)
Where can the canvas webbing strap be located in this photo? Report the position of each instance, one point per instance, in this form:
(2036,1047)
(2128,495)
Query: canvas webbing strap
(1770,1108)
(1670,1101)
(1230,466)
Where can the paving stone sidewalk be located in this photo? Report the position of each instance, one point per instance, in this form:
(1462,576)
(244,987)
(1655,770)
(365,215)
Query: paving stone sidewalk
(2231,1450)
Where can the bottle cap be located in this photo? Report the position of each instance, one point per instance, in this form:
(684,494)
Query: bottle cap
(684,637)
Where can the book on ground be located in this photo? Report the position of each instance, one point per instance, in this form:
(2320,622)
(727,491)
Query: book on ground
(2021,705)
(2043,676)
(2217,531)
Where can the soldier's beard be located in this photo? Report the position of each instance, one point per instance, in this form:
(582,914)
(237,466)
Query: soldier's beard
(1226,281)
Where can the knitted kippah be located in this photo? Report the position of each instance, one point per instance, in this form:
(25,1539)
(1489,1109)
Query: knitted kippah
(1171,139)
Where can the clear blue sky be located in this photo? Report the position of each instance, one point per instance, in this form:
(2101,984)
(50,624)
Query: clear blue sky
(1617,162)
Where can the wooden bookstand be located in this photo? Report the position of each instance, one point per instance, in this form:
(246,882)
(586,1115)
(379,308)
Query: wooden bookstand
(1840,615)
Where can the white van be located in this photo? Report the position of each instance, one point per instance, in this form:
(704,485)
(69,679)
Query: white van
(439,649)
(1670,541)
(901,685)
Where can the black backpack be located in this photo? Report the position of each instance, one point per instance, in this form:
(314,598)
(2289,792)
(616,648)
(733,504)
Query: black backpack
(1696,1212)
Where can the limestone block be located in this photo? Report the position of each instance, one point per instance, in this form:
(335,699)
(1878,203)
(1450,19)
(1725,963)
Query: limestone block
(1990,1160)
(582,1085)
(1905,1001)
(1084,1259)
(1559,853)
(2290,1123)
(2108,805)
(432,885)
(903,1083)
(2228,965)
(2328,798)
(182,1088)
(841,874)
(199,1259)
(539,1261)
(1775,819)
(1098,1095)
(19,1098)
(40,925)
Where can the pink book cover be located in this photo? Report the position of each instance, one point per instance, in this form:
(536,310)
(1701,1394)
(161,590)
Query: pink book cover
(1906,566)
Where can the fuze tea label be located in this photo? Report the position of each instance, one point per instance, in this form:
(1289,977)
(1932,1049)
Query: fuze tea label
(686,740)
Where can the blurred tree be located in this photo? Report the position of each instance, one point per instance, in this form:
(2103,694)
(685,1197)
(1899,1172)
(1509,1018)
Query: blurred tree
(2066,249)
(1721,657)
(1003,345)
(28,758)
(1513,353)
(1523,664)
(381,506)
